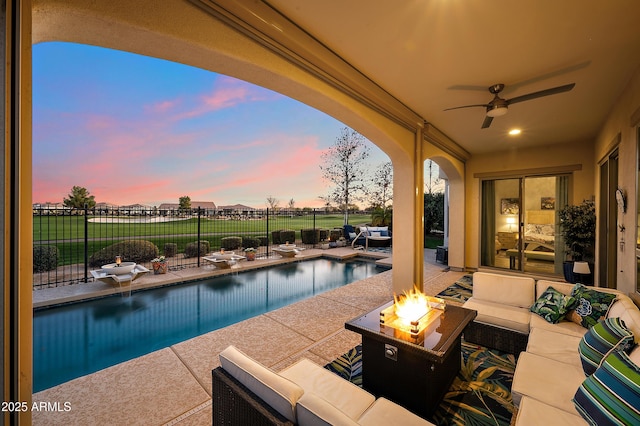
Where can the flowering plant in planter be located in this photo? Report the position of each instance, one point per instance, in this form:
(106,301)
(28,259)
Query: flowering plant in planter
(250,252)
(159,265)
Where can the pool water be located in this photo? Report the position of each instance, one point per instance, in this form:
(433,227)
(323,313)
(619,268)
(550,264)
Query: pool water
(73,340)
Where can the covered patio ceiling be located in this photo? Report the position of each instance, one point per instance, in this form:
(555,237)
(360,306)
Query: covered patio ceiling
(437,54)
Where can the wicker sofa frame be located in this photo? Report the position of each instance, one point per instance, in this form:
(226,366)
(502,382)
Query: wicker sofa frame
(234,404)
(490,336)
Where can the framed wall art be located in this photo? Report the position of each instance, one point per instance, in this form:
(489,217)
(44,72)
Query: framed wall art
(509,206)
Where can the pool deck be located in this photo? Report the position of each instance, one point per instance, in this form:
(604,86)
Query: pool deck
(172,386)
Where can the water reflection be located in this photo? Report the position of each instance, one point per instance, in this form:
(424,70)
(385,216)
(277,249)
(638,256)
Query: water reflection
(74,340)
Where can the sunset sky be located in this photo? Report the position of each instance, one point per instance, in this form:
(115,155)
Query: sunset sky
(134,129)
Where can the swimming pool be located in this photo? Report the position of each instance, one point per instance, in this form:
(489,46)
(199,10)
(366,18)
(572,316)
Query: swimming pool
(73,340)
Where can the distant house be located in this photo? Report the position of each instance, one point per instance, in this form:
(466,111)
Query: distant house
(237,210)
(208,207)
(136,209)
(50,208)
(106,208)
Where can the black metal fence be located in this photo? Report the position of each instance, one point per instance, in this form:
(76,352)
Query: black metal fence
(69,243)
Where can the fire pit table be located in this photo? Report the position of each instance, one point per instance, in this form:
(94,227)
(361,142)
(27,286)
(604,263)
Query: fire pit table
(413,368)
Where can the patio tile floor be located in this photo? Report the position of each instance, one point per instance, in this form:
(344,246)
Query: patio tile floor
(172,386)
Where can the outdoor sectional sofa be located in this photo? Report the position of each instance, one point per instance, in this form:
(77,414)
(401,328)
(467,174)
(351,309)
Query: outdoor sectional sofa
(247,393)
(595,362)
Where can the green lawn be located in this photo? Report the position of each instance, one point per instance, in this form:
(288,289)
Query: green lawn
(68,233)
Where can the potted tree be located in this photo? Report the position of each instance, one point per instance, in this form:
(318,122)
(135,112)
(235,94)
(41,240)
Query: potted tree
(578,228)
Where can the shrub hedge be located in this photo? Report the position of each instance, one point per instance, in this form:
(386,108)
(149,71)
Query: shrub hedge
(45,258)
(170,249)
(138,251)
(191,249)
(231,243)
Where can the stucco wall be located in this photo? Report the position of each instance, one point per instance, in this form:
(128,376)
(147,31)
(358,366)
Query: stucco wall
(516,160)
(619,122)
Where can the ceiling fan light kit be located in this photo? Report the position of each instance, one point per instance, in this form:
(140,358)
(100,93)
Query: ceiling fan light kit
(496,111)
(499,107)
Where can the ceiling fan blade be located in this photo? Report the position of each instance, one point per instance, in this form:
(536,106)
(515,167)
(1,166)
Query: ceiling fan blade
(467,106)
(547,92)
(487,122)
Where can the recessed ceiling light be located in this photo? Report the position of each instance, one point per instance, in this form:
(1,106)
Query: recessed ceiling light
(514,132)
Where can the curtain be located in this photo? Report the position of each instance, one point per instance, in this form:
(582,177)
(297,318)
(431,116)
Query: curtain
(488,223)
(562,199)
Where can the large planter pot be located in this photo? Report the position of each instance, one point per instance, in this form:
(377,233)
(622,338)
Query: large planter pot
(569,276)
(159,267)
(251,255)
(567,268)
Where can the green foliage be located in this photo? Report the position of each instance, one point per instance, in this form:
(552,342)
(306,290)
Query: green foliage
(578,228)
(287,235)
(231,243)
(191,249)
(382,216)
(310,235)
(184,203)
(250,241)
(282,236)
(79,197)
(45,258)
(335,234)
(170,249)
(433,212)
(138,251)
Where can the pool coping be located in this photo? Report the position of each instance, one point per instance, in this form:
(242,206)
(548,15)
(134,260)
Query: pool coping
(56,296)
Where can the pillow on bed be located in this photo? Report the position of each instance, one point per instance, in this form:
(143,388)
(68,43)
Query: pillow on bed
(547,230)
(532,228)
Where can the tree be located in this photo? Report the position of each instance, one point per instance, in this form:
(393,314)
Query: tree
(431,178)
(344,167)
(382,185)
(273,203)
(78,197)
(433,212)
(292,204)
(184,203)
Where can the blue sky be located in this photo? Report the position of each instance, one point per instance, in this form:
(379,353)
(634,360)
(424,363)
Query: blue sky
(134,129)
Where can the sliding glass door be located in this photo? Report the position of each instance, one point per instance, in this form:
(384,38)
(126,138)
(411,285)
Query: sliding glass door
(519,224)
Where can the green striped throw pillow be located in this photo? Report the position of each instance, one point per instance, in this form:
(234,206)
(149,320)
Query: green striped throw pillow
(611,396)
(607,335)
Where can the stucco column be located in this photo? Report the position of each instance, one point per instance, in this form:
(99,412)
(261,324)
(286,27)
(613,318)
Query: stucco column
(408,213)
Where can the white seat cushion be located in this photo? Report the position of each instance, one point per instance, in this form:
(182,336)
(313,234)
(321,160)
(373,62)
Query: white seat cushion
(533,412)
(546,380)
(384,413)
(342,394)
(506,316)
(557,346)
(315,411)
(563,327)
(278,392)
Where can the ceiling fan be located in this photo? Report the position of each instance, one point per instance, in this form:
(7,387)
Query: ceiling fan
(499,106)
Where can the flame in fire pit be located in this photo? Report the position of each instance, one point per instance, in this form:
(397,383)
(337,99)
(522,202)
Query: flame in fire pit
(411,306)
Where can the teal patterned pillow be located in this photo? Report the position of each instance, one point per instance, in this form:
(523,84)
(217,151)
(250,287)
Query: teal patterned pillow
(591,305)
(552,305)
(611,395)
(607,335)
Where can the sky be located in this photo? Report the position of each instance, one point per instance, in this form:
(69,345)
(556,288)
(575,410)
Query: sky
(134,129)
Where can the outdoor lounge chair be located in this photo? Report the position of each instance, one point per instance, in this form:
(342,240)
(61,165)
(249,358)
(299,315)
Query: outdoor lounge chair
(374,236)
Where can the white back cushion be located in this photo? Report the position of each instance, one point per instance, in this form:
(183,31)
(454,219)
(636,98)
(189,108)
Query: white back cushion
(505,289)
(280,393)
